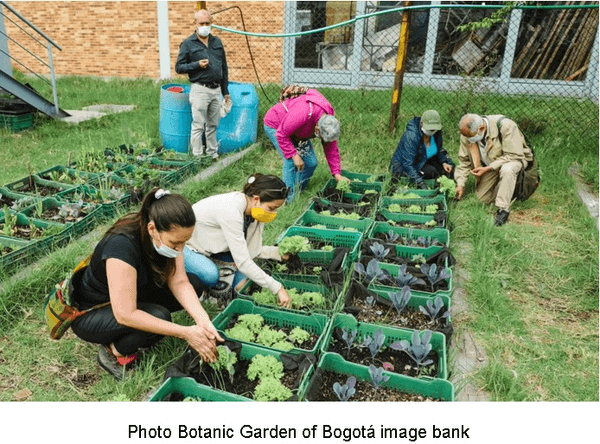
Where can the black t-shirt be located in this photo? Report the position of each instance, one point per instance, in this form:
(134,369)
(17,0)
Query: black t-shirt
(93,287)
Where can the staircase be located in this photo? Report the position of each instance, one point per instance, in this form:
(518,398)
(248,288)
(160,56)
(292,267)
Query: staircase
(25,95)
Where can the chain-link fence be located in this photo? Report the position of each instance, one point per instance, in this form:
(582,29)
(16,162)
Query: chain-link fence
(538,64)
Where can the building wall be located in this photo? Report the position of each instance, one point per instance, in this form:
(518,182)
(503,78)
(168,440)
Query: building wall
(120,39)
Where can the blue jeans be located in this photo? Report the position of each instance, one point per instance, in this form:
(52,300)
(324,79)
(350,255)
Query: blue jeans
(205,269)
(294,179)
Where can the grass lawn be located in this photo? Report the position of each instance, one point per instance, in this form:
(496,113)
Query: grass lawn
(533,287)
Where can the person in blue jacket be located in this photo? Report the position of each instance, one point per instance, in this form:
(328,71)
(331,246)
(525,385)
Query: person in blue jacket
(420,153)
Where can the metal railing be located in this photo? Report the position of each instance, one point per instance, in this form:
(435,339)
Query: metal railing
(48,44)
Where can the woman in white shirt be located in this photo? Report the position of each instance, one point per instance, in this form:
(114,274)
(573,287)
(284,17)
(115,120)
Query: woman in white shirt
(229,228)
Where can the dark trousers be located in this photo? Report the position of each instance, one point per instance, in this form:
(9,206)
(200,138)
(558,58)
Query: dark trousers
(433,169)
(100,326)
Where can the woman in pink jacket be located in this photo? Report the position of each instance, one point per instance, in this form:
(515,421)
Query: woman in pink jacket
(300,115)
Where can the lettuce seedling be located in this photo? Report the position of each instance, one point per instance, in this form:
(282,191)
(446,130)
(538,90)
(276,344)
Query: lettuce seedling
(225,361)
(283,345)
(377,376)
(263,367)
(271,389)
(269,336)
(447,186)
(417,349)
(293,245)
(432,309)
(241,333)
(327,248)
(254,322)
(431,209)
(404,278)
(349,336)
(400,299)
(346,391)
(299,336)
(343,186)
(379,250)
(375,342)
(435,275)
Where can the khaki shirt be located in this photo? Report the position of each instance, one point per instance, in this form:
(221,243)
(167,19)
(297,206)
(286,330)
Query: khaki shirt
(513,147)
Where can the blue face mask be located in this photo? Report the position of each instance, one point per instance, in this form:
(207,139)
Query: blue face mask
(165,251)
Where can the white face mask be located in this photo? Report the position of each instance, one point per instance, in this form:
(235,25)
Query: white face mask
(475,138)
(165,251)
(203,31)
(428,132)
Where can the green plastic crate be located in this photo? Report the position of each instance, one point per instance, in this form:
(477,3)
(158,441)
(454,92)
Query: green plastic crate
(387,201)
(363,177)
(423,194)
(318,258)
(188,387)
(16,122)
(23,200)
(441,234)
(311,218)
(20,185)
(73,173)
(417,298)
(87,223)
(356,187)
(247,352)
(438,340)
(433,388)
(110,208)
(330,295)
(22,250)
(404,217)
(314,323)
(336,238)
(409,252)
(403,180)
(313,206)
(393,270)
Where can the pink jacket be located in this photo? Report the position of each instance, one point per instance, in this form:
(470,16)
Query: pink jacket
(299,120)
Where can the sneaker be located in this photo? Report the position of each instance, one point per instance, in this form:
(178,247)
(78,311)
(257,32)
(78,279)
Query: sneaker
(116,366)
(501,217)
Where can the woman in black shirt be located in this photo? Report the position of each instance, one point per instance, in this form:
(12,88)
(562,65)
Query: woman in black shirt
(138,267)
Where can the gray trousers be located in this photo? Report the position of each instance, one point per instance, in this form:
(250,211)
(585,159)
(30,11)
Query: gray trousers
(206,108)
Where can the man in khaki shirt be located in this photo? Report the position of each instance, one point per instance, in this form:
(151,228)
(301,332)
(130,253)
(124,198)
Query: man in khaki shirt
(493,149)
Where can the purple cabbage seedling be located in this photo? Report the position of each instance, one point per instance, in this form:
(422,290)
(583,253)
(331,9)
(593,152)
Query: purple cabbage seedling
(377,376)
(379,250)
(404,278)
(427,242)
(417,349)
(346,391)
(371,272)
(400,299)
(375,342)
(349,336)
(432,309)
(391,236)
(435,275)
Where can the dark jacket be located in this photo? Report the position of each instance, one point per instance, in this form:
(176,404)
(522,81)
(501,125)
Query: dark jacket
(411,153)
(192,50)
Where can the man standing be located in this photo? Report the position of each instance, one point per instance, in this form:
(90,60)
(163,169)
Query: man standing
(202,57)
(493,149)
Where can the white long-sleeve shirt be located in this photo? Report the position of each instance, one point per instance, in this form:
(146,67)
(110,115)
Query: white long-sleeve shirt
(220,228)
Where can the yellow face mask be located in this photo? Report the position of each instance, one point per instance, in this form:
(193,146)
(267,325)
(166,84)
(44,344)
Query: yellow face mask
(263,216)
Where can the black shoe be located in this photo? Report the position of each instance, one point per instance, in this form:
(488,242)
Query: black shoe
(109,362)
(501,217)
(215,159)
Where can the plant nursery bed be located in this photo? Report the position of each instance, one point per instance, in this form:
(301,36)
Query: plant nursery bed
(307,345)
(365,391)
(401,362)
(289,370)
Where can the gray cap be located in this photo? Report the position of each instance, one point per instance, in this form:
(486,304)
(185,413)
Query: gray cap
(329,128)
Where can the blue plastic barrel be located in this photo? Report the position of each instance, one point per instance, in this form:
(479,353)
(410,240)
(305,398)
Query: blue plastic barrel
(238,128)
(175,118)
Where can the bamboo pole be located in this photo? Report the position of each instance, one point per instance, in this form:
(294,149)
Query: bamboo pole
(561,38)
(534,64)
(400,66)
